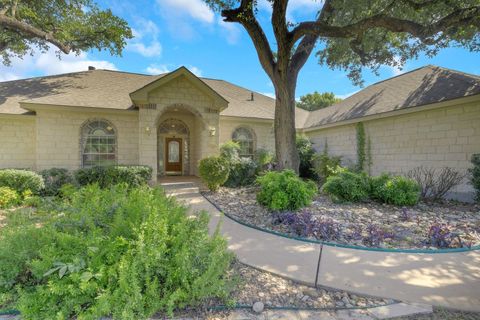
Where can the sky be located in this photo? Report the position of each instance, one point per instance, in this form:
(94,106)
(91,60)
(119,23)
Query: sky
(173,33)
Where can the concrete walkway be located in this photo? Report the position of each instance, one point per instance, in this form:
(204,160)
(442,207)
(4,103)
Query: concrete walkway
(450,280)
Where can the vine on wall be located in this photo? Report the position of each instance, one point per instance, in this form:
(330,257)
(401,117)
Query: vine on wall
(361,156)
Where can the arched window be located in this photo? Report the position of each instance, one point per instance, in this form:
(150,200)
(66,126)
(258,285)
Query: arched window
(246,139)
(99,144)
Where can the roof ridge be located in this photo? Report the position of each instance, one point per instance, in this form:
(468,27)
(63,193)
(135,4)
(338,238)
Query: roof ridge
(241,87)
(402,74)
(48,76)
(459,72)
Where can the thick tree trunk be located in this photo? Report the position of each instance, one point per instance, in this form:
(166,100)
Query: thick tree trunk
(286,151)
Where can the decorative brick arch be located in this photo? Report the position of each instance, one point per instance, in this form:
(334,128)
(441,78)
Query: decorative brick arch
(187,107)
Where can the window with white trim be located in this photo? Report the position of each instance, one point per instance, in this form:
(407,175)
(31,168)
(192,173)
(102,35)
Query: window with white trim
(99,144)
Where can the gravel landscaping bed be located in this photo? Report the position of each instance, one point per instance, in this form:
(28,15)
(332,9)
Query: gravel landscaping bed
(273,291)
(367,224)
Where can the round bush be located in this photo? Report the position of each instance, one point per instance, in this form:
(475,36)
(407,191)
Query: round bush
(54,179)
(399,191)
(242,172)
(376,186)
(285,191)
(214,171)
(21,180)
(347,186)
(8,197)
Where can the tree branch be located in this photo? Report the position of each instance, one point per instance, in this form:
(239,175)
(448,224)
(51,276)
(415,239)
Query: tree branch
(280,29)
(32,32)
(245,16)
(322,29)
(307,44)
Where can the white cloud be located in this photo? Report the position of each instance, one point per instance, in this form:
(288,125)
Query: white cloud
(152,50)
(196,9)
(399,66)
(48,63)
(157,69)
(145,29)
(180,16)
(269,94)
(196,71)
(231,31)
(7,76)
(346,95)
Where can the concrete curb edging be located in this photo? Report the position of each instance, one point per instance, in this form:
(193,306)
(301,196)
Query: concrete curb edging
(450,279)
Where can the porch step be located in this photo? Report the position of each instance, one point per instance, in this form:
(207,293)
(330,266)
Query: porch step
(180,191)
(178,185)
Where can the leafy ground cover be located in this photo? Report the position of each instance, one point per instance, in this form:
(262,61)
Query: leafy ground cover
(436,225)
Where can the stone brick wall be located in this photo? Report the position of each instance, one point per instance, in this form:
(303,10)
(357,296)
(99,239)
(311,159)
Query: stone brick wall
(17,142)
(58,137)
(443,137)
(263,131)
(183,95)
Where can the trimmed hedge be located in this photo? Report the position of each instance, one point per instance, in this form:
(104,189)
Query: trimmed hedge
(105,177)
(397,190)
(214,171)
(21,180)
(285,191)
(347,186)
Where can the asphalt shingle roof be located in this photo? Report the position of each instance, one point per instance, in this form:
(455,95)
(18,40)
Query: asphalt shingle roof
(423,86)
(111,89)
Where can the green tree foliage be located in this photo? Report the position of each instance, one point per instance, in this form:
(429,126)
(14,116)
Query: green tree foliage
(351,36)
(315,101)
(71,26)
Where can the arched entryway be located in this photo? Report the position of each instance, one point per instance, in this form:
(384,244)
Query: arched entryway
(173,147)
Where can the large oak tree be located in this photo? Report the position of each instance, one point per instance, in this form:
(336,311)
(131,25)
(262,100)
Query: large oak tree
(349,35)
(69,25)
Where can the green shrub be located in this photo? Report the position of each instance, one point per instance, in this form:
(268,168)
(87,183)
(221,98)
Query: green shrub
(285,191)
(347,186)
(325,165)
(117,252)
(397,190)
(54,179)
(214,171)
(105,177)
(264,159)
(475,175)
(242,172)
(376,186)
(305,153)
(230,150)
(8,197)
(21,180)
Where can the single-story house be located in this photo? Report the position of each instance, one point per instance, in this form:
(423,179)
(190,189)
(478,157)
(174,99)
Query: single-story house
(429,116)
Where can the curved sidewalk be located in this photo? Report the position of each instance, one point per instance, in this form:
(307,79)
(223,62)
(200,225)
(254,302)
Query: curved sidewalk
(444,279)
